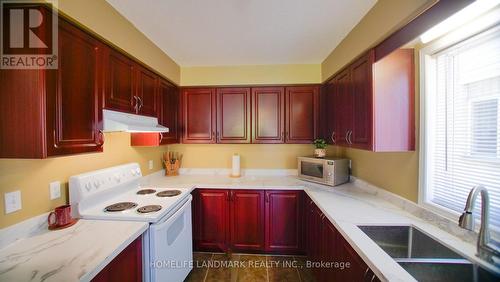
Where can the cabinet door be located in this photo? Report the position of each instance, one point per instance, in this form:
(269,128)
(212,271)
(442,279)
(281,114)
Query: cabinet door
(358,269)
(119,83)
(361,77)
(212,211)
(343,108)
(283,222)
(329,109)
(233,115)
(169,112)
(330,250)
(247,220)
(126,267)
(199,108)
(147,92)
(74,113)
(302,114)
(268,114)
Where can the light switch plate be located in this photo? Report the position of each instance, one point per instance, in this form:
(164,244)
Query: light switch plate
(12,201)
(150,163)
(55,190)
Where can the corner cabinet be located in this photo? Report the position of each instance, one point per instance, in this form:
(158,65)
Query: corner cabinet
(373,104)
(57,112)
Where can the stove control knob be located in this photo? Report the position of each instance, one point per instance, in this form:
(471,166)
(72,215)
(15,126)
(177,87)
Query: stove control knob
(88,187)
(97,184)
(117,178)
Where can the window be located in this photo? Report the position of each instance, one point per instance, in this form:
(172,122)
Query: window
(461,123)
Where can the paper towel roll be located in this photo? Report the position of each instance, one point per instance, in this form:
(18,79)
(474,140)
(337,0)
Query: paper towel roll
(236,166)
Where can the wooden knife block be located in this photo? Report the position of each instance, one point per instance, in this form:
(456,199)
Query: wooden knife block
(172,169)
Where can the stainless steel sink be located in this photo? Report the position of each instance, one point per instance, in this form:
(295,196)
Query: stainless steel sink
(423,257)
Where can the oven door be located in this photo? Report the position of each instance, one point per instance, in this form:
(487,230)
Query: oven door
(312,170)
(171,249)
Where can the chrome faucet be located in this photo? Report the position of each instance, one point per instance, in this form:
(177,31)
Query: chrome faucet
(486,249)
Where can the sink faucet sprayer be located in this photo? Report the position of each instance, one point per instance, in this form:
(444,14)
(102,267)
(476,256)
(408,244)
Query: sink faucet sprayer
(486,249)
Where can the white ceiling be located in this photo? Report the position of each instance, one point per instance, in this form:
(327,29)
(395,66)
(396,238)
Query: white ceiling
(244,32)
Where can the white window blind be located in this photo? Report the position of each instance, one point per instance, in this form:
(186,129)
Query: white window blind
(463,123)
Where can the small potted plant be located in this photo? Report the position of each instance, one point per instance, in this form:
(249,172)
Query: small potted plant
(320,151)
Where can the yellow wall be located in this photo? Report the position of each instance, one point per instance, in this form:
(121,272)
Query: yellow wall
(32,177)
(252,155)
(383,19)
(101,18)
(259,74)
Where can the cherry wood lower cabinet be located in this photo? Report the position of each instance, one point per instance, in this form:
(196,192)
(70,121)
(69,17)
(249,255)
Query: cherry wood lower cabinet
(255,221)
(126,267)
(210,219)
(247,218)
(327,245)
(284,222)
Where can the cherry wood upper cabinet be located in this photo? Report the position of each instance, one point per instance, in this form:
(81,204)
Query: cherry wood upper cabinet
(168,96)
(120,83)
(233,115)
(268,115)
(247,220)
(54,112)
(147,92)
(374,103)
(284,221)
(361,89)
(211,214)
(199,115)
(394,89)
(302,114)
(73,116)
(343,108)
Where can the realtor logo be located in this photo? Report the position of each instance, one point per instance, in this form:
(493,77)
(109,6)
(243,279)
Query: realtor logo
(28,34)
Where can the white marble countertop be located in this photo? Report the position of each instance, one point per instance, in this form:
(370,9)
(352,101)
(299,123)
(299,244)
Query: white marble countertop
(76,253)
(347,206)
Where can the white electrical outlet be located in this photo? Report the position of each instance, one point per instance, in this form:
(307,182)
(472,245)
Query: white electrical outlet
(12,201)
(150,164)
(55,190)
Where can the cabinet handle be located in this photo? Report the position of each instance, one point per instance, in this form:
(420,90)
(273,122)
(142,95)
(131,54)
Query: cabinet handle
(136,106)
(333,137)
(349,137)
(231,196)
(227,196)
(141,104)
(101,138)
(161,137)
(54,137)
(366,273)
(267,198)
(346,137)
(213,135)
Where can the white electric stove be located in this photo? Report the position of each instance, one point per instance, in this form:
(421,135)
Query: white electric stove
(116,193)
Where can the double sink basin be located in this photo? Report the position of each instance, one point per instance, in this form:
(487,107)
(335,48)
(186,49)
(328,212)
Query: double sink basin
(425,258)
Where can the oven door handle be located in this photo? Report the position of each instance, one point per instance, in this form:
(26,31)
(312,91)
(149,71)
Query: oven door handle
(173,217)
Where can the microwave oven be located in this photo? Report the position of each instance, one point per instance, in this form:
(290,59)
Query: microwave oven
(327,171)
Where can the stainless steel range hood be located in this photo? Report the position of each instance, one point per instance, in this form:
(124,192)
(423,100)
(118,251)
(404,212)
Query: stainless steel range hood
(117,121)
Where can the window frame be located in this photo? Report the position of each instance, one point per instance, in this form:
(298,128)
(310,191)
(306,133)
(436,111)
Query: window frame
(425,78)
